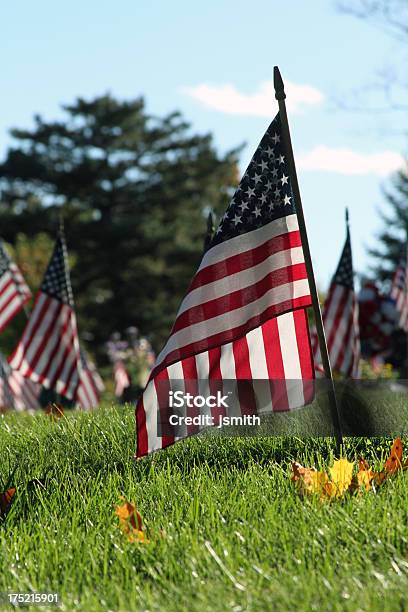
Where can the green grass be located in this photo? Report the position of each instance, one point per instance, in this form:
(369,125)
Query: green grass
(227,529)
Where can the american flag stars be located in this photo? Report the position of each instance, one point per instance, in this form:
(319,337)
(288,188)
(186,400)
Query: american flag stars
(264,192)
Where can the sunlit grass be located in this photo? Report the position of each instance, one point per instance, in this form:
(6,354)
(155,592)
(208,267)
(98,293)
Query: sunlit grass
(227,530)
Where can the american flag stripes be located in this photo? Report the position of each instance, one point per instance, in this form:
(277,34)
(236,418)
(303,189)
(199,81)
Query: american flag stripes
(90,384)
(340,318)
(14,292)
(243,317)
(399,292)
(16,391)
(48,351)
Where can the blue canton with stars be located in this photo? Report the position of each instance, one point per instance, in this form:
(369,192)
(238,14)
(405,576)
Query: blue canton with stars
(56,281)
(344,273)
(264,193)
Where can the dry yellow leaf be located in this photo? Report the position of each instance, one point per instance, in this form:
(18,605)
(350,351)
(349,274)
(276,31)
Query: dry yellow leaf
(364,479)
(308,480)
(341,474)
(130,522)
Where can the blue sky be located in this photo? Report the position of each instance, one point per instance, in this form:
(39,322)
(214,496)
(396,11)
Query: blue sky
(213,61)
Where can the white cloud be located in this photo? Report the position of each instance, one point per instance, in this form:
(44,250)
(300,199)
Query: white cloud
(261,103)
(346,161)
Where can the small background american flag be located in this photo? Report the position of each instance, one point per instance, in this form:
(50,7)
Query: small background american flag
(340,318)
(17,392)
(48,352)
(14,292)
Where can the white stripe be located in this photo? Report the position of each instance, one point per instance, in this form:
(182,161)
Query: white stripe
(34,341)
(5,279)
(150,404)
(250,240)
(341,330)
(53,367)
(53,341)
(7,291)
(203,373)
(259,369)
(290,359)
(13,307)
(27,331)
(234,318)
(240,280)
(330,313)
(228,373)
(176,378)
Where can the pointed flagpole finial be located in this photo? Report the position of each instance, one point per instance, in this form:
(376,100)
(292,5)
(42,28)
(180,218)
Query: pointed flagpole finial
(278,84)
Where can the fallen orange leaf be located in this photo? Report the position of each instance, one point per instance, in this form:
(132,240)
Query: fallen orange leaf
(54,410)
(5,500)
(308,480)
(130,521)
(394,461)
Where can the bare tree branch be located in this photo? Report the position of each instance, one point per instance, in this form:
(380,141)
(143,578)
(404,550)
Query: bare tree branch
(390,15)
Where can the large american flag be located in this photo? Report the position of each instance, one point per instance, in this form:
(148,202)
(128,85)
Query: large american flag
(48,351)
(340,318)
(14,292)
(16,391)
(244,315)
(399,291)
(90,384)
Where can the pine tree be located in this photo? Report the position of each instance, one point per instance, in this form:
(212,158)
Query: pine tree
(135,190)
(392,238)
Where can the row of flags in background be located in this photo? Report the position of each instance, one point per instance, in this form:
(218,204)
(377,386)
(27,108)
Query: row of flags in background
(48,353)
(244,317)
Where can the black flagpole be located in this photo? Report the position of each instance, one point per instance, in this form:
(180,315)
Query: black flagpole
(287,144)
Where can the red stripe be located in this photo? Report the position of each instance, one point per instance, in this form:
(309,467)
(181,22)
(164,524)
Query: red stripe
(274,362)
(215,380)
(162,386)
(231,334)
(244,376)
(331,326)
(305,353)
(59,334)
(31,328)
(142,447)
(14,296)
(71,378)
(91,387)
(191,386)
(7,284)
(42,347)
(245,260)
(67,334)
(12,314)
(340,363)
(241,297)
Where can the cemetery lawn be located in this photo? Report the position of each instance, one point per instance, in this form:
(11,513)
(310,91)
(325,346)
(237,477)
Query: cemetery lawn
(227,529)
